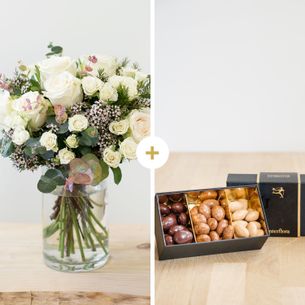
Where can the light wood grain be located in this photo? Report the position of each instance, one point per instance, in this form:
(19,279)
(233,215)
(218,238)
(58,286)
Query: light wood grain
(70,298)
(273,275)
(22,267)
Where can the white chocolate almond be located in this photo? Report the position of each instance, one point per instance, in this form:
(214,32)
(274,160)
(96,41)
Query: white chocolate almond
(241,231)
(239,215)
(260,232)
(235,206)
(252,215)
(240,223)
(252,228)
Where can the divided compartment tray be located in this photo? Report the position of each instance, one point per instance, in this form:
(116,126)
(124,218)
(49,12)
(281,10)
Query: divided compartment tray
(211,247)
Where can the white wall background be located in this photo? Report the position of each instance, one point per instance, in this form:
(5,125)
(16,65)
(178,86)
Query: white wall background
(230,75)
(118,28)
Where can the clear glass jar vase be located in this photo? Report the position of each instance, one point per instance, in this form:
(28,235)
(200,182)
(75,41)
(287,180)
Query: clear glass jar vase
(75,235)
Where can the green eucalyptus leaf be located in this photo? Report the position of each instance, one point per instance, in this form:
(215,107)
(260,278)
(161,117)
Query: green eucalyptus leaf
(85,140)
(63,128)
(117,174)
(46,185)
(7,148)
(56,176)
(28,151)
(48,155)
(105,169)
(84,150)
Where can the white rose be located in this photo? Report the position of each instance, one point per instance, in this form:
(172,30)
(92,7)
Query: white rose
(119,128)
(139,122)
(72,141)
(128,148)
(128,82)
(49,141)
(112,158)
(78,123)
(65,156)
(55,65)
(33,107)
(63,89)
(95,63)
(91,85)
(134,73)
(108,93)
(20,136)
(14,120)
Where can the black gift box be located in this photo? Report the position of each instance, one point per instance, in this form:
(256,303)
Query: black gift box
(211,247)
(283,196)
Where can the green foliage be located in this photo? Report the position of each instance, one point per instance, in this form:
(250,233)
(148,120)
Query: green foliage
(54,50)
(123,97)
(6,147)
(117,174)
(144,88)
(89,137)
(105,169)
(50,180)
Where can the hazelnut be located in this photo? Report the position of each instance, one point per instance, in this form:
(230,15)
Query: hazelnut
(211,202)
(207,195)
(205,210)
(212,222)
(203,238)
(194,211)
(218,213)
(214,235)
(228,232)
(201,228)
(198,218)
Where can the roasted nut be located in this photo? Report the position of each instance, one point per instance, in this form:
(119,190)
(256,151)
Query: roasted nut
(205,210)
(175,228)
(168,239)
(207,195)
(228,232)
(218,213)
(183,219)
(241,231)
(199,218)
(175,197)
(221,194)
(178,207)
(183,237)
(214,235)
(235,206)
(239,192)
(202,228)
(163,199)
(164,209)
(194,211)
(252,228)
(252,215)
(168,221)
(203,238)
(239,215)
(221,225)
(211,202)
(212,222)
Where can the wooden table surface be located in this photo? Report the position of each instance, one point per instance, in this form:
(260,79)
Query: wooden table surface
(22,267)
(273,275)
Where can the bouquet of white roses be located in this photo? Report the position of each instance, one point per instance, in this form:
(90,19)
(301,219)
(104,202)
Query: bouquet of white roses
(78,118)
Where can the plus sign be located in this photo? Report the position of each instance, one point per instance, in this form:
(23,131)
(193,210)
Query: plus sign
(152,153)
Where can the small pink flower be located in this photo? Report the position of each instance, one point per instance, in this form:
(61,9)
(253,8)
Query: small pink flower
(88,69)
(93,59)
(60,114)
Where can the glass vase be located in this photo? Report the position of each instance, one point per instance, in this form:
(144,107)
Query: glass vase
(75,235)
